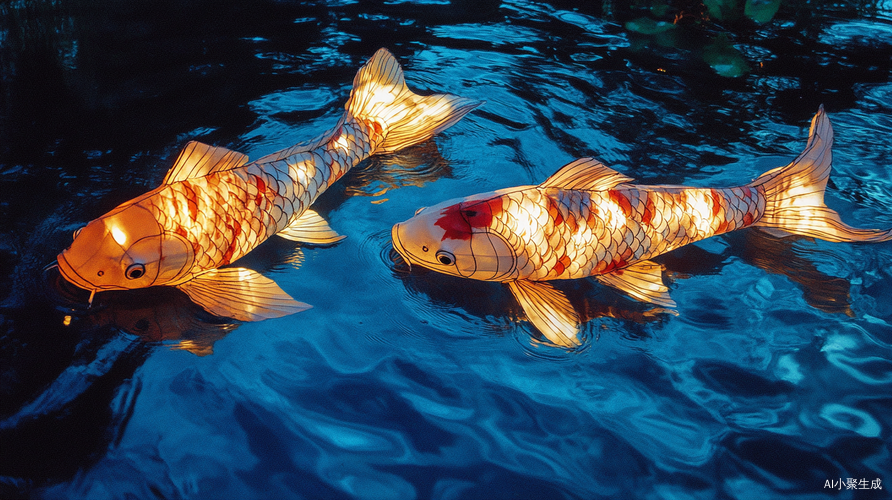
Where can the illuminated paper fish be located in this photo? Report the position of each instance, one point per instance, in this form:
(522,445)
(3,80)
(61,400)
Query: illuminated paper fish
(589,220)
(214,206)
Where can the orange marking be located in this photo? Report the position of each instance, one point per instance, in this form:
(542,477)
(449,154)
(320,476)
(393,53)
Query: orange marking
(649,210)
(747,219)
(555,212)
(561,265)
(261,187)
(191,200)
(227,256)
(572,224)
(716,202)
(723,227)
(621,200)
(236,229)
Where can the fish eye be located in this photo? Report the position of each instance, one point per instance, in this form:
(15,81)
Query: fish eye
(445,258)
(419,210)
(135,271)
(423,248)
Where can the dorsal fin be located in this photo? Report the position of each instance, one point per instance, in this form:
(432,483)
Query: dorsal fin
(585,173)
(198,159)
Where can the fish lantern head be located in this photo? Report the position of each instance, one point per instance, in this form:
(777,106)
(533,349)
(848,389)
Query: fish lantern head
(457,238)
(125,249)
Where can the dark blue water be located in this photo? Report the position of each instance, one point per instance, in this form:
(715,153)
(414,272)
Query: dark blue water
(773,378)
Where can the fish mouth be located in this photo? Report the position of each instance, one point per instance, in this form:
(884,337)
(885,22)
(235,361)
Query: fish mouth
(401,249)
(71,275)
(398,245)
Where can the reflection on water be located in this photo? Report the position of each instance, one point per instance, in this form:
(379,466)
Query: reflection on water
(415,166)
(772,378)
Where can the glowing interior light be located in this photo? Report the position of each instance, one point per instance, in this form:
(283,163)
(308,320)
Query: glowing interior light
(244,274)
(701,209)
(119,236)
(381,95)
(617,217)
(341,142)
(66,321)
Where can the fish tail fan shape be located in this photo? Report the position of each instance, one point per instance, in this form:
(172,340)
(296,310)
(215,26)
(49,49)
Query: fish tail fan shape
(380,96)
(794,194)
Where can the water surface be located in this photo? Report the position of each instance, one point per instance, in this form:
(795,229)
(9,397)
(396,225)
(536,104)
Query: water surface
(773,377)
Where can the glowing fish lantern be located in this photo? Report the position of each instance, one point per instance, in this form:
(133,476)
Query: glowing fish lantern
(214,206)
(589,220)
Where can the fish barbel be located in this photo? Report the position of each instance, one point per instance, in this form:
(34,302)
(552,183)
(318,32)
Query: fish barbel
(589,220)
(214,206)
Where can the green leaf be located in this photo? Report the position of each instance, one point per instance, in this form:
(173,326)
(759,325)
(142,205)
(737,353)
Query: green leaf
(721,10)
(725,59)
(761,11)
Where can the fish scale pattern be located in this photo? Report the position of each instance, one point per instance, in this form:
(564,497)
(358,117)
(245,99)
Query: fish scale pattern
(568,234)
(226,214)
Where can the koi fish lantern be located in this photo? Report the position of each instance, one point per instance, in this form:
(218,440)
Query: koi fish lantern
(588,220)
(214,206)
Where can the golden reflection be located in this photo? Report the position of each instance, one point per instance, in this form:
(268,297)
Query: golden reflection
(160,315)
(779,255)
(415,167)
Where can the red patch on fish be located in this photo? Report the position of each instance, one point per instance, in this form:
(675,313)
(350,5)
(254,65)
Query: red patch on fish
(227,257)
(554,212)
(261,187)
(561,266)
(620,199)
(455,225)
(649,210)
(747,219)
(459,220)
(235,229)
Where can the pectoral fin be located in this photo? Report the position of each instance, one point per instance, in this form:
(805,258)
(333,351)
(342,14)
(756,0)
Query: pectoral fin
(548,310)
(642,280)
(241,294)
(310,227)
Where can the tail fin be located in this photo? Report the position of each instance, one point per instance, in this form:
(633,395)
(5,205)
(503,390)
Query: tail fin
(795,193)
(380,94)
